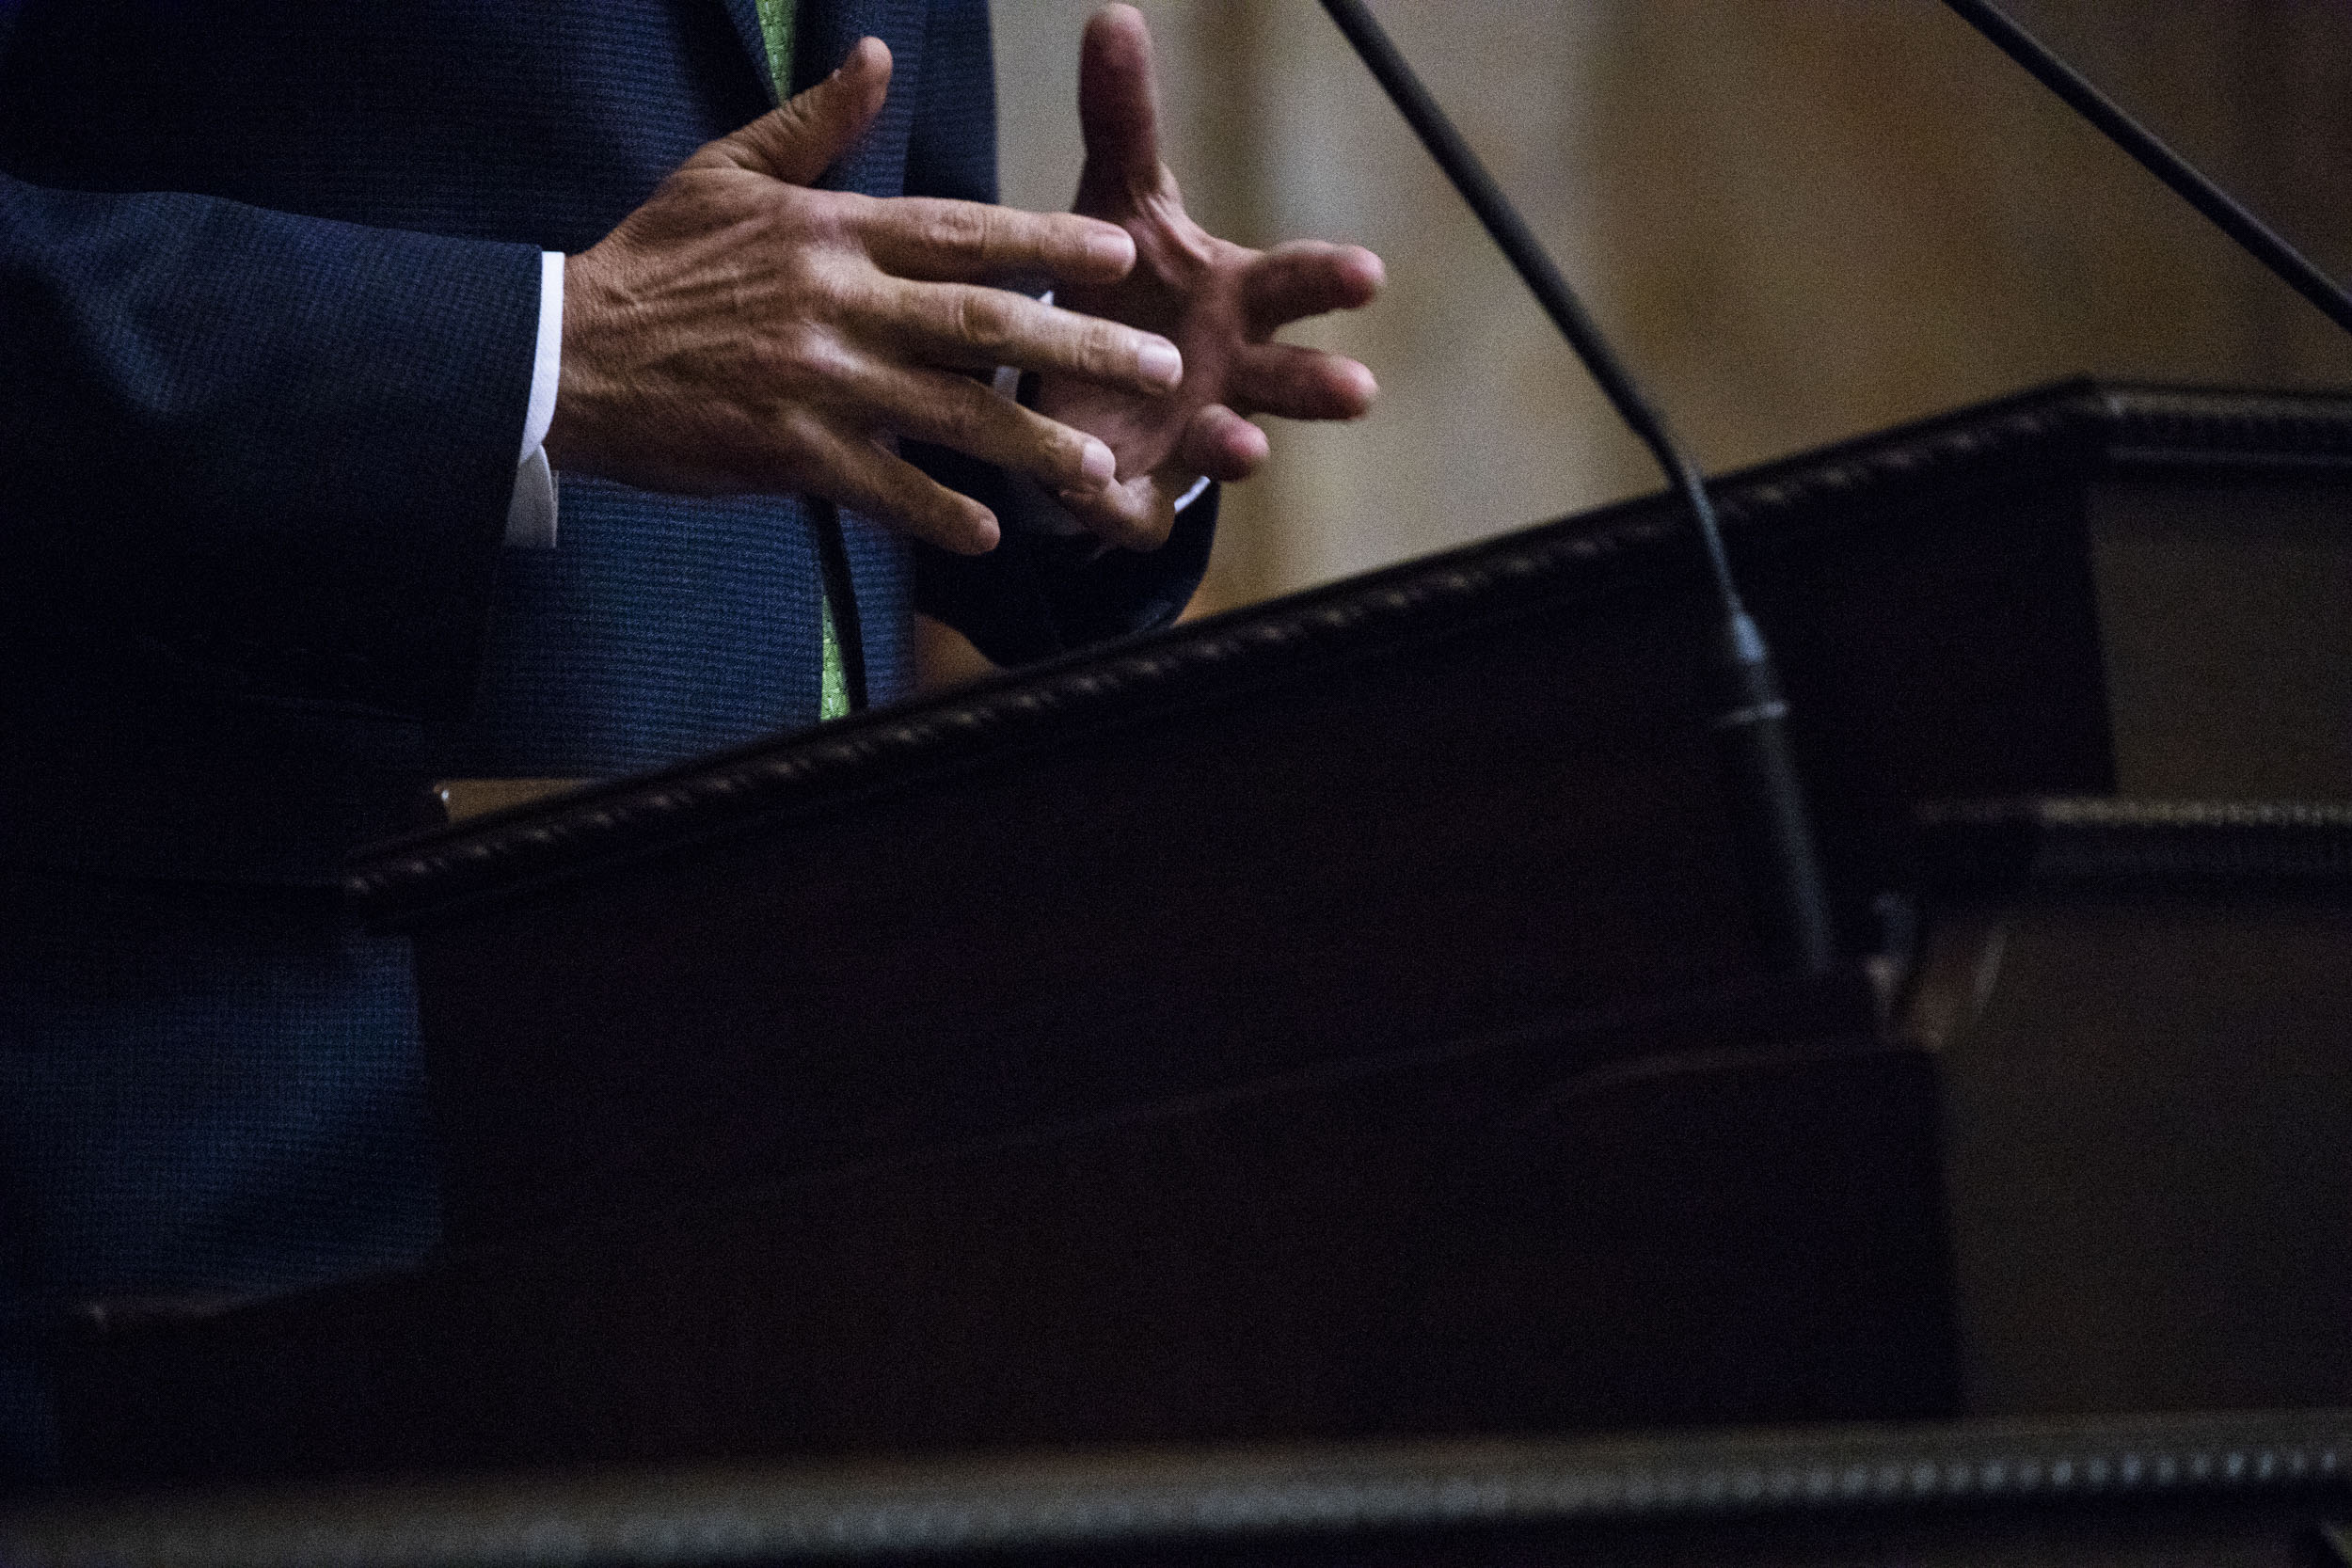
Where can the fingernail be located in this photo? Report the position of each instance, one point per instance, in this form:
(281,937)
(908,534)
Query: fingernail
(1110,250)
(1097,464)
(1159,362)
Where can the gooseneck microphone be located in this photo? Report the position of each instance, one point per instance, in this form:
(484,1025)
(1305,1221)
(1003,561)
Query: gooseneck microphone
(2226,213)
(1751,723)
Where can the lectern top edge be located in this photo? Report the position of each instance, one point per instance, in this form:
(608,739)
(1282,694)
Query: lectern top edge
(2080,424)
(1223,1498)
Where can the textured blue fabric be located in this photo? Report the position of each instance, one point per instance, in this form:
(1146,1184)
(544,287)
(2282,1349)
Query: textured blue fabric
(202,1089)
(268,293)
(258,985)
(703,614)
(261,431)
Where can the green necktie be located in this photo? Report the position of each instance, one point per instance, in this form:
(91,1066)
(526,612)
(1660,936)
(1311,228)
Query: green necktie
(833,699)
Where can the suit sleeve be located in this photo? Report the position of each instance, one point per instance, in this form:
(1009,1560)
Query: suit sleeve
(1035,594)
(252,451)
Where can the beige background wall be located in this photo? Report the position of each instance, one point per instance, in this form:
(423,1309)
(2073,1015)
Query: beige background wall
(1802,219)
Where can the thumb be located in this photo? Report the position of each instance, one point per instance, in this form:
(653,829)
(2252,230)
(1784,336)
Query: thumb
(799,141)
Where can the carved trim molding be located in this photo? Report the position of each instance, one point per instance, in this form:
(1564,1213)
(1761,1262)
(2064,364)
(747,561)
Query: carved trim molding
(2093,846)
(2073,425)
(1212,1499)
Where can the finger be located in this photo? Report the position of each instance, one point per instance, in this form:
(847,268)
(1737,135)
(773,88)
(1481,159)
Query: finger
(799,140)
(1217,443)
(950,411)
(1137,514)
(860,474)
(976,328)
(1297,382)
(1118,104)
(1307,277)
(1221,444)
(1140,514)
(968,242)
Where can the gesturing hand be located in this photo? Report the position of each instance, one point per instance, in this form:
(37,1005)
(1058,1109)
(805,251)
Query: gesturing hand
(741,332)
(1220,303)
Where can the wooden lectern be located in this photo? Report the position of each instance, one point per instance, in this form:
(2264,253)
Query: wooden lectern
(1343,1017)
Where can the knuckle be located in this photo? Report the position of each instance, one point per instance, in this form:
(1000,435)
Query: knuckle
(996,238)
(1107,349)
(800,431)
(826,356)
(1060,446)
(981,319)
(817,219)
(958,227)
(806,355)
(960,423)
(845,211)
(818,291)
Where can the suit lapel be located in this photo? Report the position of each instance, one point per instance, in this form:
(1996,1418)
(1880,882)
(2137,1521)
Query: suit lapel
(826,29)
(745,15)
(823,34)
(822,31)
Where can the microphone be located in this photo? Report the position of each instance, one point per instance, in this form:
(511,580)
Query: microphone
(1751,721)
(2222,210)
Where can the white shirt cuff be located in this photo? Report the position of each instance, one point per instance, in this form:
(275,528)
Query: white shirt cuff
(530,511)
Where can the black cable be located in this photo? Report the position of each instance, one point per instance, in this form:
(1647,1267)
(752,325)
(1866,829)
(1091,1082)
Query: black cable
(1767,792)
(1537,268)
(2224,210)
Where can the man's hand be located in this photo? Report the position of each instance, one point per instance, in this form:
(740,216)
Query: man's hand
(1221,305)
(741,332)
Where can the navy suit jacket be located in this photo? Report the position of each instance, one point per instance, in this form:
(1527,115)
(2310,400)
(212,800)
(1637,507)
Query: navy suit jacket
(268,285)
(269,277)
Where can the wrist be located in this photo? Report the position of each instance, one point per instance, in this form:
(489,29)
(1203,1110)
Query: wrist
(573,441)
